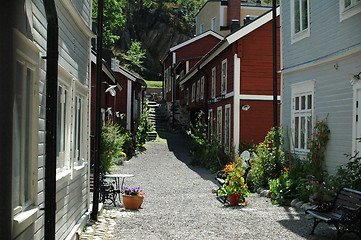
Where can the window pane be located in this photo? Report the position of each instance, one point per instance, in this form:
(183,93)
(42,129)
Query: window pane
(304,15)
(27,135)
(297,103)
(347,3)
(303,137)
(303,102)
(309,129)
(297,16)
(297,129)
(58,124)
(64,121)
(309,101)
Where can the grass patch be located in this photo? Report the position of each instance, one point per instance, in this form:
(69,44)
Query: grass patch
(154,84)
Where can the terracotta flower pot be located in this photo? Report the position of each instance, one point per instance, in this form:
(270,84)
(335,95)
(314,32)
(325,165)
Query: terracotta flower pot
(131,202)
(233,199)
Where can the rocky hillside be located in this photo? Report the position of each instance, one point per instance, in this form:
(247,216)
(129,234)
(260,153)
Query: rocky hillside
(157,30)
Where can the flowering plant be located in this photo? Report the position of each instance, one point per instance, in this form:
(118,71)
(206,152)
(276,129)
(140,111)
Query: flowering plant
(134,191)
(234,183)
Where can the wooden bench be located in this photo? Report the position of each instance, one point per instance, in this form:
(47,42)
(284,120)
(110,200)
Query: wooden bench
(344,212)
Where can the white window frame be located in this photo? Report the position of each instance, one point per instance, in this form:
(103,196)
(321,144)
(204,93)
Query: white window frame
(213,24)
(79,129)
(193,92)
(302,130)
(219,124)
(349,11)
(198,91)
(224,77)
(201,28)
(27,54)
(214,82)
(304,32)
(202,88)
(227,127)
(210,124)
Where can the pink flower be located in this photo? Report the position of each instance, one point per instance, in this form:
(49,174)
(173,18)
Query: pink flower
(110,153)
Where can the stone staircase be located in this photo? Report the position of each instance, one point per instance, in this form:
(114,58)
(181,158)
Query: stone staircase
(158,115)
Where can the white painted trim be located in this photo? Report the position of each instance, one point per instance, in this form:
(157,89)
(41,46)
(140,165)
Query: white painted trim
(229,95)
(196,38)
(256,8)
(73,13)
(349,11)
(257,97)
(327,58)
(187,67)
(236,100)
(295,37)
(129,104)
(221,15)
(355,88)
(227,106)
(174,55)
(225,81)
(251,27)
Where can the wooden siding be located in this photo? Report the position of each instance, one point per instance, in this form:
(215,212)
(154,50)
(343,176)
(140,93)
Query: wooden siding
(74,52)
(327,33)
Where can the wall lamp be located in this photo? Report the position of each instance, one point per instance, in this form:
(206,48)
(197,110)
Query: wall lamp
(111,89)
(245,107)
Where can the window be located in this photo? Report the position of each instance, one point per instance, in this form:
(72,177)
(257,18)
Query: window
(198,90)
(224,77)
(24,134)
(302,111)
(300,19)
(219,124)
(201,29)
(193,91)
(202,88)
(227,127)
(213,24)
(63,124)
(79,129)
(167,80)
(186,96)
(210,124)
(349,8)
(213,91)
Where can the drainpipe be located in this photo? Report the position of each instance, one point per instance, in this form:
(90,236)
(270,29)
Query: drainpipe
(51,117)
(7,14)
(98,118)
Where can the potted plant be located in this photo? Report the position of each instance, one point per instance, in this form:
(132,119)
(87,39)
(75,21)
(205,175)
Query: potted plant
(234,186)
(132,198)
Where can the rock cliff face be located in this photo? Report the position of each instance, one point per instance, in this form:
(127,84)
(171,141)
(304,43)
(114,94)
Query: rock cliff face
(157,31)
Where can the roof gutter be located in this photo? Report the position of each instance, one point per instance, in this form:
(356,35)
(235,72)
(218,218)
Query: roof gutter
(51,117)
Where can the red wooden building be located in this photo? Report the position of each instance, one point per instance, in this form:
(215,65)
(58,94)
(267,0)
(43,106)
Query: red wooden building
(233,85)
(178,61)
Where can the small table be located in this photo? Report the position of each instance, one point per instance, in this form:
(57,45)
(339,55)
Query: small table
(117,177)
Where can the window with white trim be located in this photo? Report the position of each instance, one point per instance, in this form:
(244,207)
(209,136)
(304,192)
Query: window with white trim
(63,127)
(202,88)
(349,8)
(198,90)
(300,19)
(213,91)
(213,24)
(219,124)
(24,134)
(193,92)
(201,28)
(79,129)
(224,77)
(227,127)
(186,96)
(210,124)
(302,112)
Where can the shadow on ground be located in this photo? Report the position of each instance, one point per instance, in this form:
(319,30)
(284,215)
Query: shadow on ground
(179,144)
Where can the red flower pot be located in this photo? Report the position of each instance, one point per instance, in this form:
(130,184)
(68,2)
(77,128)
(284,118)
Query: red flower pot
(233,199)
(131,202)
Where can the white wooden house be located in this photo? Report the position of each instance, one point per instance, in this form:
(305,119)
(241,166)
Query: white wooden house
(321,65)
(74,19)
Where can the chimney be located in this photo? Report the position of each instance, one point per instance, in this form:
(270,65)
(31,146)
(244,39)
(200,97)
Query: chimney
(233,14)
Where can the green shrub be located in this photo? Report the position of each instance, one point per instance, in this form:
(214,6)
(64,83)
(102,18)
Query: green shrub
(282,188)
(144,127)
(269,161)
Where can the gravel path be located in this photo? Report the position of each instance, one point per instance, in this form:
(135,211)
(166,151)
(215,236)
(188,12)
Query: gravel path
(179,204)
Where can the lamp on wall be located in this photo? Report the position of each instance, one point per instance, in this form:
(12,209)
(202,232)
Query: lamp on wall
(111,89)
(245,107)
(354,78)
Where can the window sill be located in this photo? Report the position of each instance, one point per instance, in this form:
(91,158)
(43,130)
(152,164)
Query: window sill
(301,35)
(349,12)
(24,220)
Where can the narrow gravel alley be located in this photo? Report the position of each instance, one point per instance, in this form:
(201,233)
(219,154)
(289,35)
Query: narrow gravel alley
(179,204)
